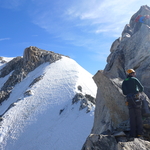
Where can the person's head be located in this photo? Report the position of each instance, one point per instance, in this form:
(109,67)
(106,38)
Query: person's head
(131,72)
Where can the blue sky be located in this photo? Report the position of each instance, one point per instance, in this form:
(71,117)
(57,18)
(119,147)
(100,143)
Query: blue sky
(81,29)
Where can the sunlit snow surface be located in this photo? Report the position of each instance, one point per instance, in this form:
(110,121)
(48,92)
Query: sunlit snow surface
(35,122)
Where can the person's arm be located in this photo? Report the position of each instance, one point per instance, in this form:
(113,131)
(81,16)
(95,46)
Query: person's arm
(140,86)
(124,89)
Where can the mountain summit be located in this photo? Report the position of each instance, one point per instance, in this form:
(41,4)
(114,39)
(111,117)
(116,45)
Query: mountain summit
(47,102)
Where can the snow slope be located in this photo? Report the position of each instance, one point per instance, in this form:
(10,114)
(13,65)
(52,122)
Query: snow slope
(7,59)
(35,122)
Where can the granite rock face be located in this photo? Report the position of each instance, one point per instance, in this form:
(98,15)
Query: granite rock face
(108,142)
(131,50)
(110,104)
(37,56)
(100,142)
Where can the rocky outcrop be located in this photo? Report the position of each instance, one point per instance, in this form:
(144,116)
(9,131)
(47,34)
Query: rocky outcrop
(2,60)
(33,55)
(110,108)
(86,101)
(100,142)
(36,80)
(110,104)
(108,142)
(19,67)
(131,50)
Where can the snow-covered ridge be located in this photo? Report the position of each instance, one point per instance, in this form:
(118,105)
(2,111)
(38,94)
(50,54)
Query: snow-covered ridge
(35,121)
(7,59)
(3,61)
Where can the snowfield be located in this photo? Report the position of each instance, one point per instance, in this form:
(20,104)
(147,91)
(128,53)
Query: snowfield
(47,119)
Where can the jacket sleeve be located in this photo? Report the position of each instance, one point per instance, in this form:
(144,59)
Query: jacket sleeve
(140,86)
(124,89)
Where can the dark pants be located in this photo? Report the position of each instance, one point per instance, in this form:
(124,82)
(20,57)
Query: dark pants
(136,125)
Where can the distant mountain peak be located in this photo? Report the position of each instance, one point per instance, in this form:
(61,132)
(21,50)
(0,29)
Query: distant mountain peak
(35,55)
(51,107)
(19,67)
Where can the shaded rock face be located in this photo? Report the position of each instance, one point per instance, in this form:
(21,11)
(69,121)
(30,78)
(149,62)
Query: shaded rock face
(110,104)
(38,56)
(131,50)
(100,142)
(86,101)
(1,60)
(110,108)
(107,142)
(19,67)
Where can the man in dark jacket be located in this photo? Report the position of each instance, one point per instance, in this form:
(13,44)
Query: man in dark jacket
(131,87)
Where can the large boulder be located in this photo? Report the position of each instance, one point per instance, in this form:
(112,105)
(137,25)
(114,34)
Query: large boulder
(110,104)
(108,142)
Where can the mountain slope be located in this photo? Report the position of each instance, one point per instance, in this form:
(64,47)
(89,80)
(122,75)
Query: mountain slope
(41,115)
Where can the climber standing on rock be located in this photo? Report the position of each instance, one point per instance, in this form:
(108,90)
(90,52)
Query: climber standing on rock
(132,87)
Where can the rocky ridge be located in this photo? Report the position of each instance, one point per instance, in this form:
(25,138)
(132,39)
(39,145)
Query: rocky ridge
(19,67)
(111,123)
